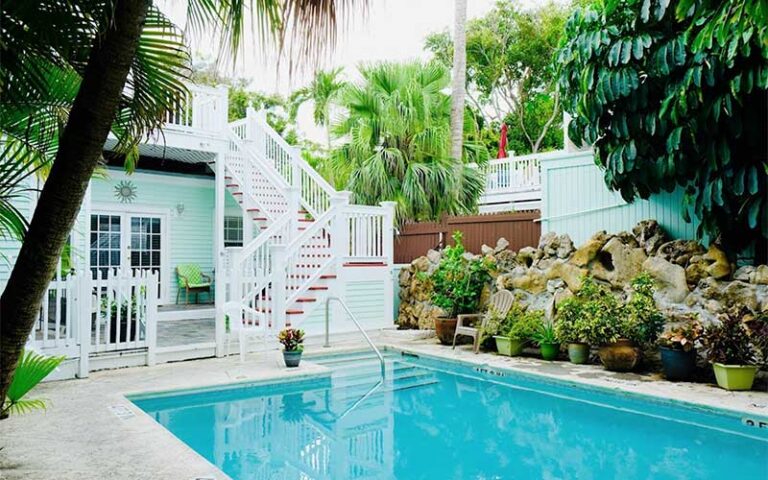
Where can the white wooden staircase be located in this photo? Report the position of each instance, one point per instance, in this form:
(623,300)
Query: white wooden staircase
(303,230)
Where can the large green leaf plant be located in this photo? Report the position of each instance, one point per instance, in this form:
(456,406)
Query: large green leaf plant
(673,93)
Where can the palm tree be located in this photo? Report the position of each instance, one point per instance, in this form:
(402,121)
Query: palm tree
(458,87)
(397,143)
(323,91)
(70,73)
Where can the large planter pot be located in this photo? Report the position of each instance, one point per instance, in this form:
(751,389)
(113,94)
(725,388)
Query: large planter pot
(510,347)
(549,351)
(735,377)
(445,328)
(620,356)
(292,358)
(578,353)
(678,365)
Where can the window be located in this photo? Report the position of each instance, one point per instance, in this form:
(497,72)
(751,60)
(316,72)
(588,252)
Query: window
(233,231)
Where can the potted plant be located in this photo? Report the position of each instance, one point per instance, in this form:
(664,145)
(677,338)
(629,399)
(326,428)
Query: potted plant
(293,345)
(517,330)
(731,351)
(547,339)
(678,350)
(572,327)
(622,331)
(457,285)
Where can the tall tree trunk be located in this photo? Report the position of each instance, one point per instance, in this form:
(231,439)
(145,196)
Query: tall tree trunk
(458,90)
(80,147)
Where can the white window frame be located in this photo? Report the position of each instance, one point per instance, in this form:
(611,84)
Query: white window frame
(233,234)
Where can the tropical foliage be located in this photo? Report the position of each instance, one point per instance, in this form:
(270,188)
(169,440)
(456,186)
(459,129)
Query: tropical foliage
(31,370)
(292,339)
(322,92)
(395,129)
(510,78)
(71,73)
(674,93)
(458,281)
(730,341)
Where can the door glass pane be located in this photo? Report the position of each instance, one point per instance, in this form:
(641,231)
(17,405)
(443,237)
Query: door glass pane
(105,243)
(146,244)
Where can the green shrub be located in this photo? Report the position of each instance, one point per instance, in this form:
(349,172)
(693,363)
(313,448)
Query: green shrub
(589,316)
(458,281)
(595,316)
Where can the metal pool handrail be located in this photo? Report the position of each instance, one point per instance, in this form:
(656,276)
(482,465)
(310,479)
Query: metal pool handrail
(357,324)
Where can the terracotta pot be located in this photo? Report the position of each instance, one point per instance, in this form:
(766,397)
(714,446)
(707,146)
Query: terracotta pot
(578,353)
(292,358)
(445,328)
(620,356)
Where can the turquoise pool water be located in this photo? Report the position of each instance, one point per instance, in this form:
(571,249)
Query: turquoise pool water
(442,420)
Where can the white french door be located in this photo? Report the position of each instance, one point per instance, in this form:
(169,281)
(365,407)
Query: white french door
(132,240)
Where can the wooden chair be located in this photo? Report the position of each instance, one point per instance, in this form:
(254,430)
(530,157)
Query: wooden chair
(191,279)
(501,301)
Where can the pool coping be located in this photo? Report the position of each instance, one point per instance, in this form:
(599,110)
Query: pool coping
(79,433)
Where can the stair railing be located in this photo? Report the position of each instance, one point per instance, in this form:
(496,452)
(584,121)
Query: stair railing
(382,363)
(315,192)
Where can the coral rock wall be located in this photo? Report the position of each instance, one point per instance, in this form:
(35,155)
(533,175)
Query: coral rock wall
(689,277)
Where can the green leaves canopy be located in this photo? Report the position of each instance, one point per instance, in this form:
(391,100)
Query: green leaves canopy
(396,132)
(673,93)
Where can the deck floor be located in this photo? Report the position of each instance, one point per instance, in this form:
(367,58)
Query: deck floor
(185,332)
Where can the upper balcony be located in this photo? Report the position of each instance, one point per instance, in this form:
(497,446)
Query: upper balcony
(192,128)
(512,183)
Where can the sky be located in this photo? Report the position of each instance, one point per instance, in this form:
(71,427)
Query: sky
(389,30)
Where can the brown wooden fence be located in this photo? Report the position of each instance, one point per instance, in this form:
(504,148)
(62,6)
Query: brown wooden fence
(415,239)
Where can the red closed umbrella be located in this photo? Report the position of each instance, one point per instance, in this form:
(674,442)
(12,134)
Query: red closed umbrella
(503,142)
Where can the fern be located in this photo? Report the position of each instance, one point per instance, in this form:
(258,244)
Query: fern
(31,370)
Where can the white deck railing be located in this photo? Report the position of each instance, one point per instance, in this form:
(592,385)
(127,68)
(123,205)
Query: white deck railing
(107,311)
(202,108)
(512,174)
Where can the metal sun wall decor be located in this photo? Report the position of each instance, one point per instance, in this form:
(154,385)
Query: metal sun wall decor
(125,191)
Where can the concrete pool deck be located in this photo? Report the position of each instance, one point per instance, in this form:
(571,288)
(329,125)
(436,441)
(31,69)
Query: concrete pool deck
(91,431)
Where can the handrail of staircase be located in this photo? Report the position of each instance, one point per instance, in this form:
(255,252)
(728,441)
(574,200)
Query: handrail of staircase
(268,170)
(253,197)
(359,327)
(296,244)
(300,162)
(264,236)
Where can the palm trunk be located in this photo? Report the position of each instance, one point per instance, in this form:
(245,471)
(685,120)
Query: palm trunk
(80,148)
(459,78)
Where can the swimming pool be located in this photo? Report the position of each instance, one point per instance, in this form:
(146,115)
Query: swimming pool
(436,419)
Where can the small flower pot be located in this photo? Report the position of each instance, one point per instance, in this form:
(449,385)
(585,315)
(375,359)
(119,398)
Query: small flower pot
(503,345)
(578,353)
(678,365)
(735,377)
(549,351)
(292,358)
(511,347)
(445,328)
(620,356)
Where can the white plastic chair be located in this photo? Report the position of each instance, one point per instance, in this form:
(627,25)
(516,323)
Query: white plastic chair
(243,323)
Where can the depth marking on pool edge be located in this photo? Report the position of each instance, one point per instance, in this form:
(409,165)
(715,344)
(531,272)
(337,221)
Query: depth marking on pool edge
(751,422)
(490,371)
(121,411)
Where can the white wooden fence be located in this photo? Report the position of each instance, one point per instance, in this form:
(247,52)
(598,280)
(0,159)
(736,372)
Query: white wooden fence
(83,315)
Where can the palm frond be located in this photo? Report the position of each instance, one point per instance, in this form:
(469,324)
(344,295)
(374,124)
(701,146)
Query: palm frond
(31,370)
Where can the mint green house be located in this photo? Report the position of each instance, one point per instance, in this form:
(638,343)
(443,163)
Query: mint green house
(235,202)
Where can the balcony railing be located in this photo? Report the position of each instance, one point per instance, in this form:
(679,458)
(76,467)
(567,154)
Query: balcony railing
(202,109)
